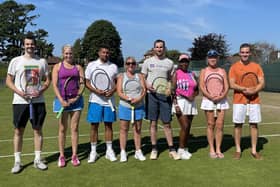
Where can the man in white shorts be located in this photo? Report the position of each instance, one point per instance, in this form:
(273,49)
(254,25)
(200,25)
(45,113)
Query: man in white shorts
(246,100)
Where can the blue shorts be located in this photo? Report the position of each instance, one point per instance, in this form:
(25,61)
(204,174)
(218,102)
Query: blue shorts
(98,113)
(78,105)
(125,113)
(158,106)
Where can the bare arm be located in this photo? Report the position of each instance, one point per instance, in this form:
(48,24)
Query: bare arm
(11,85)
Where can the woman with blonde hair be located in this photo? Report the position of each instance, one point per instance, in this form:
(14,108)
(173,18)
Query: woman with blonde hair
(131,90)
(68,85)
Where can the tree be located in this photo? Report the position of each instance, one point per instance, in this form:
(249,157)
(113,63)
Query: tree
(202,44)
(44,49)
(78,51)
(102,33)
(14,20)
(263,52)
(173,55)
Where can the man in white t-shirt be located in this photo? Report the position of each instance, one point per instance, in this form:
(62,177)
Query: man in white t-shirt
(159,104)
(101,102)
(24,77)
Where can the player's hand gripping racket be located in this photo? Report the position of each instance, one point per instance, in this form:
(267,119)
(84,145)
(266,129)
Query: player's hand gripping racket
(101,81)
(70,90)
(133,89)
(249,80)
(30,85)
(215,87)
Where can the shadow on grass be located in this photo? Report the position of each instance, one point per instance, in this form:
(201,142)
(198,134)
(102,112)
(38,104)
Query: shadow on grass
(194,144)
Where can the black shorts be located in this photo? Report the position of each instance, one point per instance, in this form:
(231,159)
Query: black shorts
(21,115)
(158,106)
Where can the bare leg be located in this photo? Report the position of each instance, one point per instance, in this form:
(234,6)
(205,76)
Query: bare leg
(254,136)
(75,118)
(124,126)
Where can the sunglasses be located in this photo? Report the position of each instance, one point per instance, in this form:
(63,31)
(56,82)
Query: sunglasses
(130,63)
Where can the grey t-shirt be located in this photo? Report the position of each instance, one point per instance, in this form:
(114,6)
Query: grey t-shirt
(154,67)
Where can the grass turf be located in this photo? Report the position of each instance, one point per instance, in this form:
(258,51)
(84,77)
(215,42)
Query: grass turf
(200,170)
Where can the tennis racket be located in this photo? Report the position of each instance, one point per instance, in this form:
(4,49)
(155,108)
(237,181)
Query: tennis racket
(162,86)
(133,89)
(69,90)
(215,87)
(101,80)
(249,80)
(30,85)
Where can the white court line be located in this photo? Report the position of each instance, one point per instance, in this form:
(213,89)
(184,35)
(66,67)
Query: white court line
(160,143)
(143,131)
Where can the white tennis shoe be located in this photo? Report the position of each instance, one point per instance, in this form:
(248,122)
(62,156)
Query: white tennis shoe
(110,155)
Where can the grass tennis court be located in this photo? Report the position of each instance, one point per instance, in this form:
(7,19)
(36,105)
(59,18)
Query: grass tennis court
(200,170)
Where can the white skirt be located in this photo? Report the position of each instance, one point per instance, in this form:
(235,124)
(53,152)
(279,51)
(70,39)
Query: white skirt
(187,107)
(207,104)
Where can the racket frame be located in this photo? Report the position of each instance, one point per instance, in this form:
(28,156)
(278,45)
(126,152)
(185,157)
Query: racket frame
(249,98)
(25,88)
(221,79)
(92,77)
(132,120)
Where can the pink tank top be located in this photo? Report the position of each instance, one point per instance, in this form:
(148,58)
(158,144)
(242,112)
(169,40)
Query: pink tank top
(185,83)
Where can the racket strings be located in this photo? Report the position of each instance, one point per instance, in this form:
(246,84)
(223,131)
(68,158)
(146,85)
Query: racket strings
(101,81)
(132,89)
(215,86)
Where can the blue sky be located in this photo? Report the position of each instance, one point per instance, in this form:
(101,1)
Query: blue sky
(177,22)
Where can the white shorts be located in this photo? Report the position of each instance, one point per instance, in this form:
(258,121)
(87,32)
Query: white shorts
(239,113)
(207,104)
(186,107)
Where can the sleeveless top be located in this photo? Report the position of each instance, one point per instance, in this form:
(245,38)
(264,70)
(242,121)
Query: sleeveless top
(208,71)
(124,102)
(185,83)
(73,86)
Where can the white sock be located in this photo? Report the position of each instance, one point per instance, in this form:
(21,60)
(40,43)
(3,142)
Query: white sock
(37,155)
(17,156)
(109,145)
(93,146)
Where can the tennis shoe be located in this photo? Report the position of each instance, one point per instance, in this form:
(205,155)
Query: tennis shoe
(174,155)
(92,157)
(75,161)
(40,165)
(110,155)
(17,168)
(123,156)
(61,162)
(139,155)
(184,154)
(154,155)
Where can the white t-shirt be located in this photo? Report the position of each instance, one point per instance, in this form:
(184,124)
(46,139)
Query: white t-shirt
(21,64)
(154,67)
(112,71)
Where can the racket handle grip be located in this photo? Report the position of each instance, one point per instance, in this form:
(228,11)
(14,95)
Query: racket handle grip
(59,112)
(111,105)
(215,110)
(132,115)
(30,111)
(247,109)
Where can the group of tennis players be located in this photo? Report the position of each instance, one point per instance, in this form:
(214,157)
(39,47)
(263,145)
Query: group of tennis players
(155,94)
